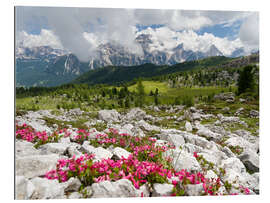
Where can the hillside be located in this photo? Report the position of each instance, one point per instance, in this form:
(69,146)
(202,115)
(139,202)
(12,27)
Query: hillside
(120,74)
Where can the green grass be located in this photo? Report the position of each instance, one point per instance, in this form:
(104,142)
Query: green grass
(151,85)
(64,124)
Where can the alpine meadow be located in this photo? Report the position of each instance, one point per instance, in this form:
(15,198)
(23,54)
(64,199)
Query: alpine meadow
(136,103)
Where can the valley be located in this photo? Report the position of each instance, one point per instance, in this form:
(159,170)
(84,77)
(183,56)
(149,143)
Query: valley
(187,133)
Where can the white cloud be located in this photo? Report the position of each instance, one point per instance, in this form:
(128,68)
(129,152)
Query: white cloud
(81,30)
(45,38)
(249,32)
(165,38)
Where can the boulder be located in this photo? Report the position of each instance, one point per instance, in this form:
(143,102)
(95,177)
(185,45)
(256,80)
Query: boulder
(197,140)
(24,148)
(211,175)
(119,152)
(205,132)
(256,188)
(72,185)
(191,148)
(239,111)
(75,195)
(135,114)
(120,188)
(194,190)
(73,150)
(100,153)
(241,142)
(188,126)
(57,148)
(24,188)
(251,160)
(254,114)
(146,126)
(196,116)
(161,190)
(36,165)
(143,191)
(183,160)
(175,139)
(109,115)
(233,164)
(228,152)
(47,189)
(225,96)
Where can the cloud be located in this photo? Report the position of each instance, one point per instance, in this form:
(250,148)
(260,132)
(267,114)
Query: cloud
(249,31)
(166,38)
(45,38)
(81,30)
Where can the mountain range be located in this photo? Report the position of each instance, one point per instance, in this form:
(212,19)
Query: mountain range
(46,66)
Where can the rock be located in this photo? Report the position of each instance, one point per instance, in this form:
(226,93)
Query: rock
(135,114)
(24,188)
(109,115)
(156,109)
(194,190)
(161,190)
(197,140)
(100,153)
(211,157)
(256,188)
(64,140)
(175,139)
(47,189)
(180,118)
(217,129)
(75,112)
(73,150)
(233,164)
(188,126)
(254,114)
(24,148)
(75,195)
(143,191)
(228,152)
(239,111)
(211,175)
(192,109)
(147,127)
(225,96)
(36,165)
(195,116)
(120,188)
(119,152)
(251,160)
(226,109)
(183,160)
(72,185)
(239,179)
(242,100)
(241,142)
(205,132)
(57,148)
(191,148)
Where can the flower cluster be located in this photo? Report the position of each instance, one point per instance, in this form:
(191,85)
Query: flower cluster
(82,135)
(139,172)
(27,133)
(146,164)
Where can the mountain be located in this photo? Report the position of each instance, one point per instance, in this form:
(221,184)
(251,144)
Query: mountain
(114,54)
(119,74)
(46,66)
